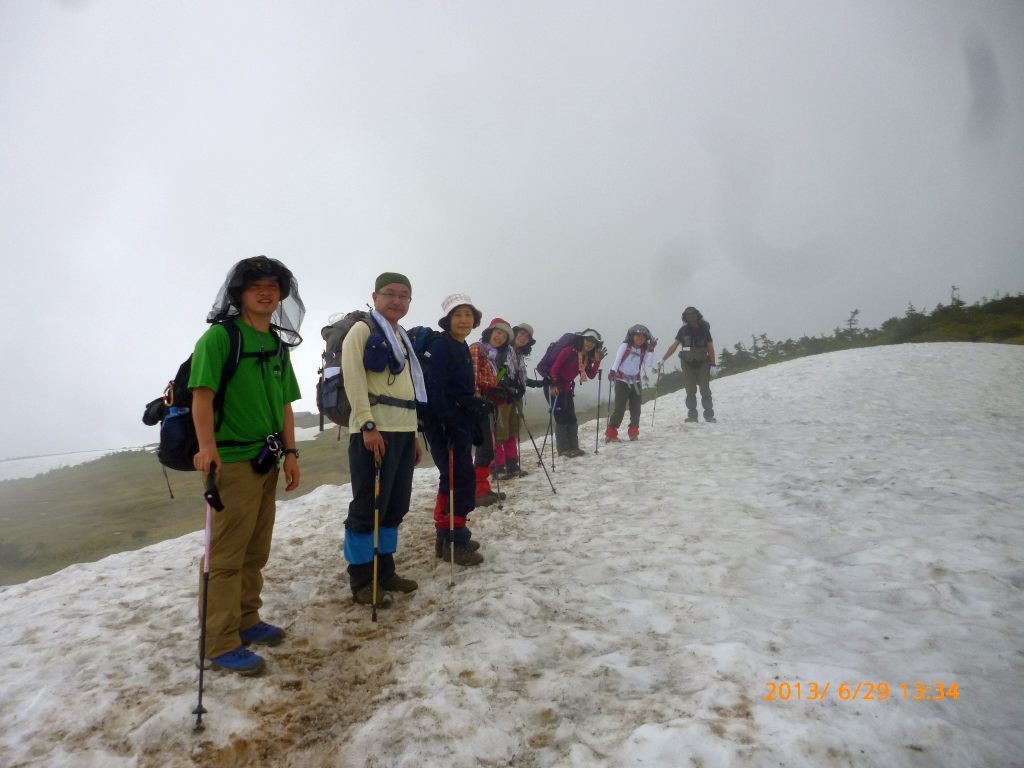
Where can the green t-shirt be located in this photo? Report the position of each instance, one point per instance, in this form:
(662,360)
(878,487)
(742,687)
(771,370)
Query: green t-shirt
(256,394)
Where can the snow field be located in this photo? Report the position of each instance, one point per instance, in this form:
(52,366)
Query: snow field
(852,517)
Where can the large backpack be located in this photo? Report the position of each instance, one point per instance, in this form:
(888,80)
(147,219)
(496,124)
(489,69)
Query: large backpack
(554,348)
(422,336)
(331,398)
(173,411)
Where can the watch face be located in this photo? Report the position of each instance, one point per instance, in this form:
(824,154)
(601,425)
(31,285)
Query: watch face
(369,426)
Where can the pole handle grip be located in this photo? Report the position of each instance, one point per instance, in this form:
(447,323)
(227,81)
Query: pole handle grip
(212,495)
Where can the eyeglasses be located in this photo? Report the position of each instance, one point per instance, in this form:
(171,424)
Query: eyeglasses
(402,297)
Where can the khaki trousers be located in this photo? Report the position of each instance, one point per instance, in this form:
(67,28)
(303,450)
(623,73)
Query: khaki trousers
(239,548)
(506,423)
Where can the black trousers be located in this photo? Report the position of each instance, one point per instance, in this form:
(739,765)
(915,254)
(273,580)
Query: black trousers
(626,395)
(395,481)
(465,475)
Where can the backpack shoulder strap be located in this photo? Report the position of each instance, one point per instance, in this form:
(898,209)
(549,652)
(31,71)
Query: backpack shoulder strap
(228,370)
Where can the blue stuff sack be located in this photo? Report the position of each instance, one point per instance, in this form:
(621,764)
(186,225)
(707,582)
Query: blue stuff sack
(377,354)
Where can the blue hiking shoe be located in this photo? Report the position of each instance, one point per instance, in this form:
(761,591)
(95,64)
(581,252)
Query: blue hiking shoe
(262,633)
(241,660)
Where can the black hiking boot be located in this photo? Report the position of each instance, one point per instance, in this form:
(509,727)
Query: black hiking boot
(463,554)
(709,419)
(472,545)
(395,583)
(489,498)
(693,419)
(364,596)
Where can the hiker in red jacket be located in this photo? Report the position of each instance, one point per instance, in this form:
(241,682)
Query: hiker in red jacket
(493,342)
(580,359)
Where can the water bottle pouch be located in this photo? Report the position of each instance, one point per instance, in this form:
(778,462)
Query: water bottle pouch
(377,354)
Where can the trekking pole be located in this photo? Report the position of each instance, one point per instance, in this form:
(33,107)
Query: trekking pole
(451,508)
(544,444)
(553,406)
(213,502)
(540,458)
(654,411)
(494,448)
(376,537)
(597,427)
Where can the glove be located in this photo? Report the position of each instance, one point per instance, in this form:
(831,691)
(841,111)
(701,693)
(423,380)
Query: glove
(535,383)
(653,344)
(449,428)
(713,370)
(519,391)
(501,394)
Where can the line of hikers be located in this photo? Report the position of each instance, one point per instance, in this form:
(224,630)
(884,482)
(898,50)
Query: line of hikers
(386,385)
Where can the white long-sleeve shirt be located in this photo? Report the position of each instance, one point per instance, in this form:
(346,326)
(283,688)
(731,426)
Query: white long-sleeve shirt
(629,359)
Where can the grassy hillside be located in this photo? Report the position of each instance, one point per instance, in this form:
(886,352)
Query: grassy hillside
(79,514)
(998,320)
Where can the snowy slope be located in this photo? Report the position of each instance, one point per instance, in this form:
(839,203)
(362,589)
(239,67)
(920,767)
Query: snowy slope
(854,517)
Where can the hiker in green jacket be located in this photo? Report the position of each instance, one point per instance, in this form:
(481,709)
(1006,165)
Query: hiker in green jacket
(243,440)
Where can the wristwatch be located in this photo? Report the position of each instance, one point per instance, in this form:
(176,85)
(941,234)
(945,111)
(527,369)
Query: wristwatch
(368,427)
(294,451)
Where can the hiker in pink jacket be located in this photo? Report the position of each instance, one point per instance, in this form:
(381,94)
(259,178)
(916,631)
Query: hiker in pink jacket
(580,360)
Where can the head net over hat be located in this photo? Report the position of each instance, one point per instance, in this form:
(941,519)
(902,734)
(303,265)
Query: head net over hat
(638,328)
(287,318)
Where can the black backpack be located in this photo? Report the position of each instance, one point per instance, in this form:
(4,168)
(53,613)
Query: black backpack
(173,410)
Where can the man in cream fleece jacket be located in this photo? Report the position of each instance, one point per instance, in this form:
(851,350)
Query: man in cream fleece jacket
(382,429)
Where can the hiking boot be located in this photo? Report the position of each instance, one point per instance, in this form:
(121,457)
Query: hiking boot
(364,596)
(693,419)
(489,498)
(634,438)
(463,554)
(241,660)
(395,583)
(472,545)
(711,420)
(517,473)
(612,440)
(575,453)
(262,634)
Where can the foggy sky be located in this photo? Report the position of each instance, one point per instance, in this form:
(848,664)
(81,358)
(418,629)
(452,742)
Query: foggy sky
(566,164)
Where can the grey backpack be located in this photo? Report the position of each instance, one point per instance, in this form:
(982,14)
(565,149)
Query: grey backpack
(331,399)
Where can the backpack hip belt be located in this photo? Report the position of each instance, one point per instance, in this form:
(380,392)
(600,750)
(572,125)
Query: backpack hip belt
(392,401)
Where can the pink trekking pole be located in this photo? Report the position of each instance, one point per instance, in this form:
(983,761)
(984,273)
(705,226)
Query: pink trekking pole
(213,502)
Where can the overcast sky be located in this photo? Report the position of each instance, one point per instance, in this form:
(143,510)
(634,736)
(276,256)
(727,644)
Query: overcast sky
(777,164)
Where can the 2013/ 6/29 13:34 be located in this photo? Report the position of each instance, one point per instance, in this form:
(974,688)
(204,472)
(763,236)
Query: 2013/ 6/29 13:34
(861,691)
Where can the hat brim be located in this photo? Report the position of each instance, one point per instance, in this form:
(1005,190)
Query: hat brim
(478,316)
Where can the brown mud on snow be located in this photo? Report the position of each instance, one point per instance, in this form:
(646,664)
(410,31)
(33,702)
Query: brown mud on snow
(330,673)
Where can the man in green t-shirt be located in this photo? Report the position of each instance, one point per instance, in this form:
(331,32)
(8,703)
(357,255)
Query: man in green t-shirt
(260,298)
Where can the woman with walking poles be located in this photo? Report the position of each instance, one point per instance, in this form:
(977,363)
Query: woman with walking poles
(580,359)
(512,375)
(451,383)
(635,353)
(486,353)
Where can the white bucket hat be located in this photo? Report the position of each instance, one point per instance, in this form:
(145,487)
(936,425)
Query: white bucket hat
(455,300)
